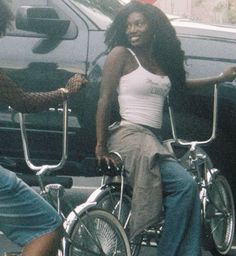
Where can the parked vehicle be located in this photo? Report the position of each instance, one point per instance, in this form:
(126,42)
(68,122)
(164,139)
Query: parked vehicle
(53,39)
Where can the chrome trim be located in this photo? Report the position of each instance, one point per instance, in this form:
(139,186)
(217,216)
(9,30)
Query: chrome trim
(41,169)
(75,213)
(193,144)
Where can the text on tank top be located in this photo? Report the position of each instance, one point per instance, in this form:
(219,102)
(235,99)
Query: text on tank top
(141,96)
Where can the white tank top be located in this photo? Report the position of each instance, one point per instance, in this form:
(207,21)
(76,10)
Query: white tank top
(141,96)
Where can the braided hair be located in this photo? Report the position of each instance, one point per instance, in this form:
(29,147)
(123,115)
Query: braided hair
(166,47)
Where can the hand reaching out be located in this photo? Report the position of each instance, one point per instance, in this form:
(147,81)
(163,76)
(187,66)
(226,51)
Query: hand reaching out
(75,82)
(229,74)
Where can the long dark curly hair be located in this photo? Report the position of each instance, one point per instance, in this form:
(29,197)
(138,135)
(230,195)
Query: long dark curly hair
(166,47)
(6,17)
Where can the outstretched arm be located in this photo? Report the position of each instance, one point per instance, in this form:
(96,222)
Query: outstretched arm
(23,101)
(229,74)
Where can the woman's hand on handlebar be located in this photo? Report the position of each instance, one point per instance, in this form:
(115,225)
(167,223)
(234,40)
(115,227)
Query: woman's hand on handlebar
(229,74)
(75,82)
(102,156)
(109,160)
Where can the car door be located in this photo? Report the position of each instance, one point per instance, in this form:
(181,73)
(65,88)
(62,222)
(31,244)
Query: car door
(40,62)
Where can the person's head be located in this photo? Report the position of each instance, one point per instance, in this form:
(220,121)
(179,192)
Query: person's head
(137,17)
(139,24)
(6,17)
(138,31)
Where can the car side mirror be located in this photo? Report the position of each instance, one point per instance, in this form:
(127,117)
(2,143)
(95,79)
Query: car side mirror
(43,20)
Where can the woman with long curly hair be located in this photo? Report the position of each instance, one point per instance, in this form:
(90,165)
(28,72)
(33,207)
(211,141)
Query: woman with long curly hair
(145,64)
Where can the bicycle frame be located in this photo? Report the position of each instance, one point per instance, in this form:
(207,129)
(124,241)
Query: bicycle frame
(43,169)
(77,213)
(193,144)
(203,176)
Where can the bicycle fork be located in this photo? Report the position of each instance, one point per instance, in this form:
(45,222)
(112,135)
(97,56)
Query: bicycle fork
(209,175)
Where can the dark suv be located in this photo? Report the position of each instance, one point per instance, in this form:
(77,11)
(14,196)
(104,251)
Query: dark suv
(53,39)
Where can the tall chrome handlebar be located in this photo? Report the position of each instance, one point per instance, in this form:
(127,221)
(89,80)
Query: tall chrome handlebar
(41,169)
(214,124)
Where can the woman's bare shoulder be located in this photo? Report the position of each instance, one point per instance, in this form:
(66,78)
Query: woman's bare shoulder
(119,52)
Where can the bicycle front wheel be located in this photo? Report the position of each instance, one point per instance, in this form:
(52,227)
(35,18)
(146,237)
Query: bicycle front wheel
(220,215)
(98,232)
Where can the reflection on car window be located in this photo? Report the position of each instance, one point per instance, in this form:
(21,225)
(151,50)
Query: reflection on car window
(101,12)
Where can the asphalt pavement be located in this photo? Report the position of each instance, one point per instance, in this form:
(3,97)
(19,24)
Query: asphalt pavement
(82,188)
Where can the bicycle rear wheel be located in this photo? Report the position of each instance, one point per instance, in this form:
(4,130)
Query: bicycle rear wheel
(98,232)
(220,215)
(109,199)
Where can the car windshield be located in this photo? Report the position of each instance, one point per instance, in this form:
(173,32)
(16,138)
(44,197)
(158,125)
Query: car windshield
(101,12)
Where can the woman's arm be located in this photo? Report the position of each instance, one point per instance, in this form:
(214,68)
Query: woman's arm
(229,74)
(112,73)
(23,101)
